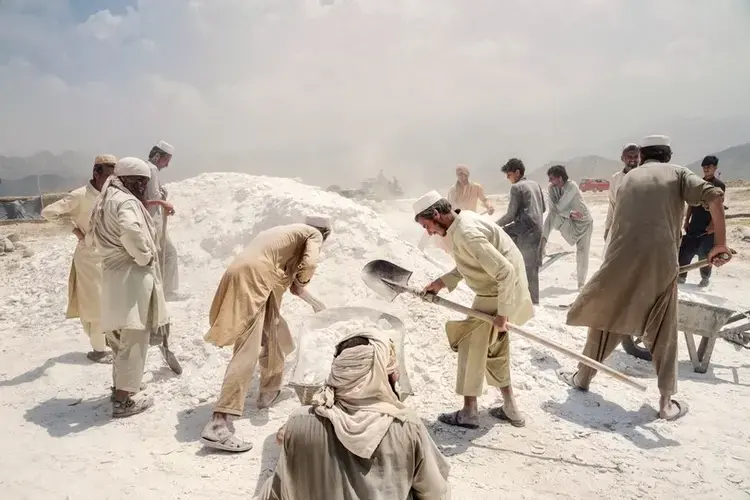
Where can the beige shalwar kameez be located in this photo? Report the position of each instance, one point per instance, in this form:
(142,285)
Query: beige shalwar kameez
(132,300)
(155,191)
(575,231)
(635,290)
(493,267)
(246,309)
(84,281)
(467,196)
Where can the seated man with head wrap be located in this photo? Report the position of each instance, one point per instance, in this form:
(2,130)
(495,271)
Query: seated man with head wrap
(245,313)
(132,299)
(358,440)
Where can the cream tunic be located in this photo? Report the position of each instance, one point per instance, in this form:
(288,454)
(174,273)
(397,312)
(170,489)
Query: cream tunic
(614,185)
(491,264)
(132,295)
(467,197)
(84,282)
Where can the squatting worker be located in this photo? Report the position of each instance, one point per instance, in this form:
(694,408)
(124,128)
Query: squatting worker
(493,268)
(85,279)
(132,300)
(635,290)
(245,313)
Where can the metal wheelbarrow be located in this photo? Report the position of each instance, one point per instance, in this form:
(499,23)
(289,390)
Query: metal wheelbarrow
(328,317)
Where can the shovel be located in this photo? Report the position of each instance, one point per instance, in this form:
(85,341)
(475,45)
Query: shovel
(389,280)
(169,356)
(704,263)
(552,259)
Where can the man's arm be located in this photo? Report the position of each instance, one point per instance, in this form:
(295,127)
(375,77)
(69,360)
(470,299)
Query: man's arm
(568,195)
(309,262)
(431,470)
(688,215)
(63,211)
(514,205)
(451,279)
(497,266)
(483,198)
(133,233)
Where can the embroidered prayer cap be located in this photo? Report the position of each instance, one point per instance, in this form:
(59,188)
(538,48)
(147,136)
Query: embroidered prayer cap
(105,160)
(320,221)
(166,147)
(426,202)
(132,166)
(655,140)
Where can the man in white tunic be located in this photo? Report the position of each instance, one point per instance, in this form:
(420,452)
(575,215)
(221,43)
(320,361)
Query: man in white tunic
(156,196)
(132,297)
(84,281)
(570,215)
(631,158)
(493,268)
(358,440)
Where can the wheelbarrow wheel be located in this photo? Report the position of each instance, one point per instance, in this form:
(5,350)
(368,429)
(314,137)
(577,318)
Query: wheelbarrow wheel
(634,346)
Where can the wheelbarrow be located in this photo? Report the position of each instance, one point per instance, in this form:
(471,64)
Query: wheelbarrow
(324,319)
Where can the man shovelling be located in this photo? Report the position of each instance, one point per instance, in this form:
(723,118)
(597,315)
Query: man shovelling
(492,266)
(85,280)
(635,290)
(132,299)
(245,313)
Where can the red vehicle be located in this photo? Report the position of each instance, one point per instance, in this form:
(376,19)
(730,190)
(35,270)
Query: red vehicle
(594,185)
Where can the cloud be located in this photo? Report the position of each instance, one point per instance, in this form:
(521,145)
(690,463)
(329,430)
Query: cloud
(354,84)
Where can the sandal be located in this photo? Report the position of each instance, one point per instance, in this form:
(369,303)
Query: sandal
(225,441)
(499,413)
(99,356)
(130,407)
(683,409)
(569,378)
(267,399)
(453,419)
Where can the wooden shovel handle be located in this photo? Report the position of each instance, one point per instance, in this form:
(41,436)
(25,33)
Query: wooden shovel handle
(536,338)
(702,263)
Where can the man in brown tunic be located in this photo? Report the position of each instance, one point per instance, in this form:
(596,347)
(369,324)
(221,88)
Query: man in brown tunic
(635,290)
(246,313)
(358,440)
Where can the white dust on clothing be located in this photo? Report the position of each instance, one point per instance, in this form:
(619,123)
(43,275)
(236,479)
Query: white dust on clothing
(315,348)
(57,403)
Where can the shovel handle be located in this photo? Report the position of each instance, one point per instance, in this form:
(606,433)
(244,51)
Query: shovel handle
(536,338)
(702,263)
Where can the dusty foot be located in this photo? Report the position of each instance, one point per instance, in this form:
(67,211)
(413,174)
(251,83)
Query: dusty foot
(131,406)
(572,380)
(99,356)
(508,414)
(673,410)
(217,435)
(460,418)
(267,399)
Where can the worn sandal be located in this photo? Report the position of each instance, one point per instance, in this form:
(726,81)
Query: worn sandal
(130,407)
(499,413)
(453,419)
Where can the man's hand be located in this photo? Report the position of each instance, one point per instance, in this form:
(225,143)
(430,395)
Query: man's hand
(713,255)
(434,287)
(296,289)
(490,210)
(280,435)
(79,234)
(499,323)
(168,207)
(576,215)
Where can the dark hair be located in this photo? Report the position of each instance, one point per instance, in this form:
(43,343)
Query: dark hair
(98,167)
(352,342)
(514,165)
(662,154)
(710,160)
(442,207)
(156,151)
(558,171)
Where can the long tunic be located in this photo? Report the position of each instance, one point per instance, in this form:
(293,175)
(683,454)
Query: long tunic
(614,185)
(562,202)
(640,266)
(525,208)
(84,281)
(467,197)
(314,465)
(155,191)
(265,269)
(132,295)
(491,264)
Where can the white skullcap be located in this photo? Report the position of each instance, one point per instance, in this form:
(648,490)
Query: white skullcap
(426,202)
(655,140)
(166,147)
(132,166)
(105,160)
(320,221)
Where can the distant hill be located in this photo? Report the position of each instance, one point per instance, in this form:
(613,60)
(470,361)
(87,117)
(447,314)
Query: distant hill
(734,163)
(62,172)
(581,167)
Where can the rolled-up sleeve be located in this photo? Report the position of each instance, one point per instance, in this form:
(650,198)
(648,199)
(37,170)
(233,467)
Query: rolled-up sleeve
(63,211)
(497,266)
(309,262)
(133,233)
(696,191)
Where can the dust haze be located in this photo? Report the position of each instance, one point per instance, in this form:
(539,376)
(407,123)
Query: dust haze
(333,91)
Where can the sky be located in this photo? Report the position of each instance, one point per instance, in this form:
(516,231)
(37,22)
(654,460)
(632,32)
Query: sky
(345,86)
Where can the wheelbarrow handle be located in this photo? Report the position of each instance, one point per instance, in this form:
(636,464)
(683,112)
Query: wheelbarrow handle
(534,337)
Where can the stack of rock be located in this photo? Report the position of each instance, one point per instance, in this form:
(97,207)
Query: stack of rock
(10,243)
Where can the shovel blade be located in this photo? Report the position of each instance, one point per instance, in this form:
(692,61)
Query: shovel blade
(379,274)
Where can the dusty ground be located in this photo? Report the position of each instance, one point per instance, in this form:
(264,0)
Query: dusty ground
(61,444)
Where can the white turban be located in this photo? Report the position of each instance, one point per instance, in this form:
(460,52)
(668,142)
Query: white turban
(132,166)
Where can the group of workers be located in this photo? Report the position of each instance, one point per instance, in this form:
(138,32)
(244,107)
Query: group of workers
(358,439)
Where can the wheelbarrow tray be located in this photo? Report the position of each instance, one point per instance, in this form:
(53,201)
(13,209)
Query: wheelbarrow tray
(333,315)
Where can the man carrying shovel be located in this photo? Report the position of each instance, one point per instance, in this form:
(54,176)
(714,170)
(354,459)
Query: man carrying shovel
(635,290)
(493,268)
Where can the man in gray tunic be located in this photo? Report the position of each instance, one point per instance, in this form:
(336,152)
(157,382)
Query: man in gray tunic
(156,194)
(523,221)
(570,215)
(635,290)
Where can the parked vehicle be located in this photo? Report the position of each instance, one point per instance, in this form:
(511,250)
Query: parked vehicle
(594,185)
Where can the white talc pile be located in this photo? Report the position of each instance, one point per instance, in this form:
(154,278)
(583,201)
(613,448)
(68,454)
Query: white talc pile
(316,348)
